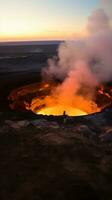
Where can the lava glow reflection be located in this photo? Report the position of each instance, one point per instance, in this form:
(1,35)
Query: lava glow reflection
(59,109)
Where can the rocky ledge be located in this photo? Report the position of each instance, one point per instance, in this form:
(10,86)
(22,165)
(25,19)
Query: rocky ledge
(42,157)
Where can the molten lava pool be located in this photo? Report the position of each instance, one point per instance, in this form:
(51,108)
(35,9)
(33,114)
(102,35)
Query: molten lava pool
(59,109)
(42,99)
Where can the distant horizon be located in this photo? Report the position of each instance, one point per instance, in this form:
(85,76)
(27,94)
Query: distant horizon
(21,39)
(44,19)
(31,42)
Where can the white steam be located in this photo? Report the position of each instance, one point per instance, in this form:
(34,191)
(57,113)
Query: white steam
(84,63)
(98,21)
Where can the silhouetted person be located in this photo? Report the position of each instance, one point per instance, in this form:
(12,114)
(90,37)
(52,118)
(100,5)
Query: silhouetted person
(64,117)
(64,113)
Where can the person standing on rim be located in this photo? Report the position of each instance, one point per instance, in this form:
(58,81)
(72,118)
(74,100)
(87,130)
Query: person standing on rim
(64,117)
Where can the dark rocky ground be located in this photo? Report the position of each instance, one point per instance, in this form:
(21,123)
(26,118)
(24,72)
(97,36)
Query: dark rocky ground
(43,158)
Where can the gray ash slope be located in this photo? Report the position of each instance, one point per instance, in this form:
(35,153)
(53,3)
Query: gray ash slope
(43,158)
(25,56)
(21,64)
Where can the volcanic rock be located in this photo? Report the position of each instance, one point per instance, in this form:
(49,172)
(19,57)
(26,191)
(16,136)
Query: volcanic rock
(17,124)
(43,158)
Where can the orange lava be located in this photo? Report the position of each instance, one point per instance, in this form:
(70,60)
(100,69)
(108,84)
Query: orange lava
(42,98)
(52,105)
(59,109)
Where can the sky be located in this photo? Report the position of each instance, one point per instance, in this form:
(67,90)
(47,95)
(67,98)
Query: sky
(44,19)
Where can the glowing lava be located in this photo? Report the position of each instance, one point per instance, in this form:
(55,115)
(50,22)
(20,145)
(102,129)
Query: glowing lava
(41,98)
(59,109)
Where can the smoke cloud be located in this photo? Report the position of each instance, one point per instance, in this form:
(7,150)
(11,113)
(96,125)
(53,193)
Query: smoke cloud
(84,64)
(98,21)
(107,5)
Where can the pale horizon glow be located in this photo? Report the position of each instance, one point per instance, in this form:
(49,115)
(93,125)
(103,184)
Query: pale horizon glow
(44,19)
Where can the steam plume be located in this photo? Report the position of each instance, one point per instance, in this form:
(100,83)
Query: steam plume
(82,65)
